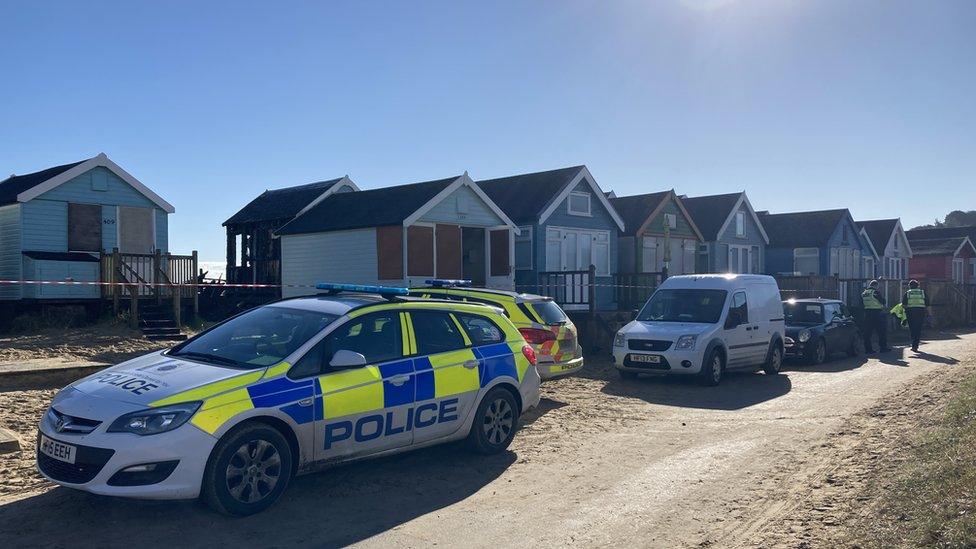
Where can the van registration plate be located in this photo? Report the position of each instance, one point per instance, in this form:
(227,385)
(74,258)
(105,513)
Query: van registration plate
(647,359)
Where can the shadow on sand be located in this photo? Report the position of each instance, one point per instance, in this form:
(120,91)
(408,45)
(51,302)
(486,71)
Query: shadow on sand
(336,507)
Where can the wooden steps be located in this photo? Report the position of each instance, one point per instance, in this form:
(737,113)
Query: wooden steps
(157,324)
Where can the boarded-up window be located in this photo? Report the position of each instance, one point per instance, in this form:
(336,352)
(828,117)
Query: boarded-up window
(420,251)
(448,251)
(84,228)
(136,230)
(499,243)
(389,253)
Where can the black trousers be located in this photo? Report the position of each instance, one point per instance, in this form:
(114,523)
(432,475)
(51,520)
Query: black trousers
(875,322)
(916,318)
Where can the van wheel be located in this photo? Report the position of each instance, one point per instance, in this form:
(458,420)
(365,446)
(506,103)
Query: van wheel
(248,470)
(495,422)
(774,362)
(712,370)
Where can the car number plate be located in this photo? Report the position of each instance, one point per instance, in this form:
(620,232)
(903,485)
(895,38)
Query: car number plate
(649,359)
(58,450)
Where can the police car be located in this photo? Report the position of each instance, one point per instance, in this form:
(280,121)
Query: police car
(539,319)
(234,413)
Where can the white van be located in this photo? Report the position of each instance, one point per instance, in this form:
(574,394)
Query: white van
(704,325)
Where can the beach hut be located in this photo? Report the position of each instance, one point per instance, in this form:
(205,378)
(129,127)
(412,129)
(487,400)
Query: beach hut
(400,235)
(566,224)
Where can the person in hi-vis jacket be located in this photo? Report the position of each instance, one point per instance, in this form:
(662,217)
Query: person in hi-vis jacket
(915,302)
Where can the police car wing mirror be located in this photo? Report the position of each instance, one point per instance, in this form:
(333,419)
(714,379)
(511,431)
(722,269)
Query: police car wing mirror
(347,359)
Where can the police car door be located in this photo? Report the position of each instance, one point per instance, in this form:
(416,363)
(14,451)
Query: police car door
(365,409)
(447,371)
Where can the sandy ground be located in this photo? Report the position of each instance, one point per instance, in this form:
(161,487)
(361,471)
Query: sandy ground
(761,460)
(108,342)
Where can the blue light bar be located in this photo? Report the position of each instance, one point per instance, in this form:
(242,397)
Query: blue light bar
(447,283)
(361,288)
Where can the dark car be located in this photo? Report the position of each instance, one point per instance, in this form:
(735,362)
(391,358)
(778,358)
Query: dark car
(817,328)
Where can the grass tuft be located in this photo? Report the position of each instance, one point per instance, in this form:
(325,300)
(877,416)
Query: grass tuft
(932,499)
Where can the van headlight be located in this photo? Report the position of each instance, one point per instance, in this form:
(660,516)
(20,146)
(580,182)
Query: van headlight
(155,420)
(803,336)
(619,340)
(686,343)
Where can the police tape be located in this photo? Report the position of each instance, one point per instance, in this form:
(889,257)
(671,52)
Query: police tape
(69,282)
(556,288)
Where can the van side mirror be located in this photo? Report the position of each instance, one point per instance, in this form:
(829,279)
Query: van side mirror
(344,359)
(734,319)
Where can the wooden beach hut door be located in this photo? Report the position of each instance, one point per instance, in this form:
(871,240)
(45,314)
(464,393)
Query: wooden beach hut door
(569,250)
(473,259)
(137,236)
(135,230)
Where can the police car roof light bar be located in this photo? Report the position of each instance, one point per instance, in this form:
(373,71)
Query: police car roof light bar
(448,283)
(385,291)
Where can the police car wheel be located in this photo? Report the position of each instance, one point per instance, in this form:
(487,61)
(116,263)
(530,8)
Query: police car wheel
(495,422)
(248,470)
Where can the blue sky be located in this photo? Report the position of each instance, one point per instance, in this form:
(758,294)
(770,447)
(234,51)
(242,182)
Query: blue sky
(869,105)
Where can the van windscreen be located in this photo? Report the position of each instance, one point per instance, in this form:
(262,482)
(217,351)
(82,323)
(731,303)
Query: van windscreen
(703,306)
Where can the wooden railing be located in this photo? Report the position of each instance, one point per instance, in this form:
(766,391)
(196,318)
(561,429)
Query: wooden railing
(574,290)
(632,290)
(800,287)
(157,276)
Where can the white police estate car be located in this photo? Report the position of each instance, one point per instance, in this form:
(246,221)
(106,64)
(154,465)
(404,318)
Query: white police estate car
(233,413)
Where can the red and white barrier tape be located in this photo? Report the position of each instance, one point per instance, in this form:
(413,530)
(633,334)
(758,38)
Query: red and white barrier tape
(158,284)
(560,287)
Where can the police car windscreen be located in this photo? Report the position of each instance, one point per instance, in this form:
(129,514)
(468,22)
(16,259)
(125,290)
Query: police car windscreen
(549,311)
(684,306)
(257,338)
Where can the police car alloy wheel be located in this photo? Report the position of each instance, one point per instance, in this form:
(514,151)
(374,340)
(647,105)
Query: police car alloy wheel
(248,471)
(495,423)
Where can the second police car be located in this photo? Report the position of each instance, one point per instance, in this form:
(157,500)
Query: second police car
(234,413)
(539,319)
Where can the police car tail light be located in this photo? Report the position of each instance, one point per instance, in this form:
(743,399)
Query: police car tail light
(536,336)
(529,353)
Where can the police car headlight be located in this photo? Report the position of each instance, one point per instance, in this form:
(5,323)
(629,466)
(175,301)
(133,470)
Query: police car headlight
(803,336)
(619,340)
(686,343)
(155,420)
